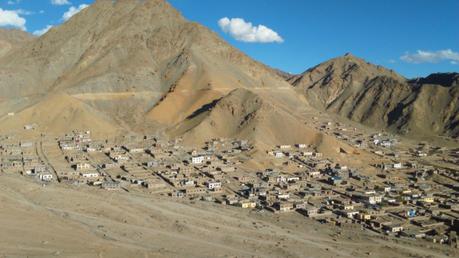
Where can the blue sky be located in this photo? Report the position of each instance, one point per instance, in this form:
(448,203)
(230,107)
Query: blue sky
(413,37)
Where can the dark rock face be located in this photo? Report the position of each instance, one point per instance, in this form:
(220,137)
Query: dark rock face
(442,79)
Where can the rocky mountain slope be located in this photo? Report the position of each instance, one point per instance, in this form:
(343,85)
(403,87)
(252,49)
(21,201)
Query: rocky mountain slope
(11,39)
(140,66)
(378,97)
(139,54)
(128,65)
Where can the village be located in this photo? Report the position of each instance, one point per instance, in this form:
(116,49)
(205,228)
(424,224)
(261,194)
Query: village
(408,197)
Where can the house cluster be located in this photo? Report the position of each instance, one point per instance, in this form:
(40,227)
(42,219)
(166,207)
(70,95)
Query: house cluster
(150,163)
(410,201)
(21,156)
(204,173)
(406,197)
(75,141)
(78,167)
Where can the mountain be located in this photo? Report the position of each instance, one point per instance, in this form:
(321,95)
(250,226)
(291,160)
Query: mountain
(243,113)
(284,75)
(443,79)
(126,58)
(329,81)
(380,98)
(121,66)
(126,65)
(11,39)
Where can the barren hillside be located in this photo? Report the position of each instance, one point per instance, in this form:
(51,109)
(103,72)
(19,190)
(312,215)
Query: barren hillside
(380,98)
(142,66)
(12,39)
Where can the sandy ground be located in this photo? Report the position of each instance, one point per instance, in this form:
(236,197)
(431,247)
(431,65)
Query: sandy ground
(63,221)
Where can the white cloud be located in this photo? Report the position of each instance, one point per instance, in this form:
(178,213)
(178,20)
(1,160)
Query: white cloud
(422,56)
(246,32)
(13,2)
(454,62)
(42,31)
(23,12)
(12,18)
(60,2)
(73,10)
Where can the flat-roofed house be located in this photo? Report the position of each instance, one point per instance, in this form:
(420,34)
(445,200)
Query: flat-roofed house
(45,176)
(89,174)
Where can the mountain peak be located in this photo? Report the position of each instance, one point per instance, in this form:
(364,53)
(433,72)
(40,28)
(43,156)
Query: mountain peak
(129,2)
(150,7)
(349,55)
(343,67)
(351,58)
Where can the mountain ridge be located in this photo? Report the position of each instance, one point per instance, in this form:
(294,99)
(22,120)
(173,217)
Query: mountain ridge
(140,65)
(12,39)
(382,99)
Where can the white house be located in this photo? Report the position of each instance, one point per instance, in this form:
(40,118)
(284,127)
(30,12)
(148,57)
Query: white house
(26,144)
(283,196)
(351,213)
(318,154)
(308,153)
(314,174)
(45,176)
(386,143)
(90,149)
(89,174)
(279,154)
(301,146)
(197,160)
(68,146)
(374,199)
(398,165)
(293,179)
(82,166)
(28,127)
(421,154)
(119,157)
(212,185)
